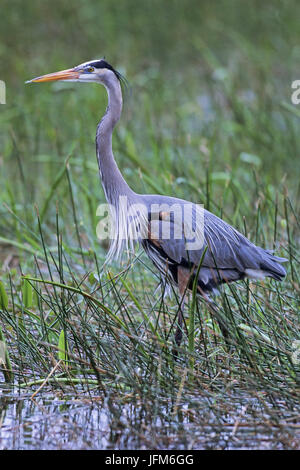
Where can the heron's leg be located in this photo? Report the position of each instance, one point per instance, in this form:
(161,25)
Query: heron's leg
(222,325)
(183,277)
(178,332)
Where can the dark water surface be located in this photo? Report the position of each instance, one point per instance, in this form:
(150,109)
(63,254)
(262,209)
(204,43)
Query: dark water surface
(65,422)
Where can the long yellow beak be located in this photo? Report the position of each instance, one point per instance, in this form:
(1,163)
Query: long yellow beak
(69,74)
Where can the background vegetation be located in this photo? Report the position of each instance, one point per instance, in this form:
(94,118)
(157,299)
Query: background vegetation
(209,118)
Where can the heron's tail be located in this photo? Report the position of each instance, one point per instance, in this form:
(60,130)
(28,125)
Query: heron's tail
(273,268)
(269,266)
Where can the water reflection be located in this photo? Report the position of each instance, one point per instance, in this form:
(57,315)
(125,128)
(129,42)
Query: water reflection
(53,422)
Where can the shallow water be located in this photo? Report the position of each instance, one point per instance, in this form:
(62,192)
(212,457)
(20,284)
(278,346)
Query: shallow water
(60,422)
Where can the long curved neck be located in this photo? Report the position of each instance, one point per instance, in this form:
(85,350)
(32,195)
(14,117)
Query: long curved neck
(113,182)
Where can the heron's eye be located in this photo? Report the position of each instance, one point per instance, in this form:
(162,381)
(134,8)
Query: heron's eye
(90,69)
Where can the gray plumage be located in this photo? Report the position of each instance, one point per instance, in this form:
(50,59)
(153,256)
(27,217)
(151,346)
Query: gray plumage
(229,256)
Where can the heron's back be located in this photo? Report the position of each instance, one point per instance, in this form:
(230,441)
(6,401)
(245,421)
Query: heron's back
(225,254)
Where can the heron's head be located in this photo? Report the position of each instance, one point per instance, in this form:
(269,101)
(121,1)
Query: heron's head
(98,71)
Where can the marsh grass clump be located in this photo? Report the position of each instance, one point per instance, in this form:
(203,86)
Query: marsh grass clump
(88,331)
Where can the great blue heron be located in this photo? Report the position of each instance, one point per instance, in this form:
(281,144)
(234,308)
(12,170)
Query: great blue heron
(198,249)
